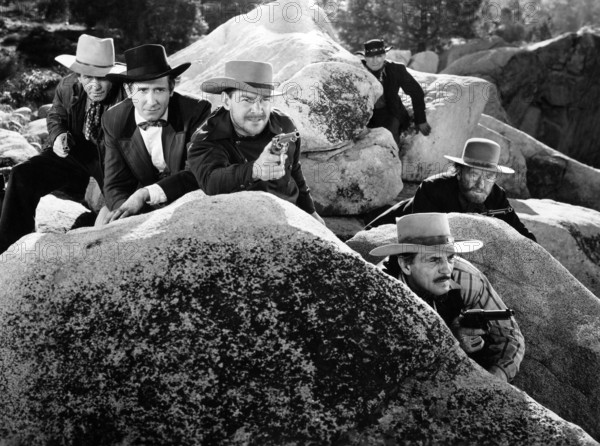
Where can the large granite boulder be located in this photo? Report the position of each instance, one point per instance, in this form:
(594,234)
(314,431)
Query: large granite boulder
(570,233)
(55,214)
(425,61)
(454,105)
(549,173)
(457,51)
(14,148)
(559,317)
(236,319)
(549,89)
(36,132)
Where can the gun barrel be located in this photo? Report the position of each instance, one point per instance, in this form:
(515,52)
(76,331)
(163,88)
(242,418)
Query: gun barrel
(490,315)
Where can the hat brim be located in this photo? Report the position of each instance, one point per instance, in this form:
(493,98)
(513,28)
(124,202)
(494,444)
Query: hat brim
(217,85)
(362,53)
(458,246)
(72,64)
(498,168)
(124,77)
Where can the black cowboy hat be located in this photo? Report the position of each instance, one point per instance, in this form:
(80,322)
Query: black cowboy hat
(147,62)
(374,47)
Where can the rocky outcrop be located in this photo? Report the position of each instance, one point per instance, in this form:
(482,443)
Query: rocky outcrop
(559,317)
(549,173)
(426,62)
(570,233)
(550,90)
(456,52)
(36,132)
(57,215)
(237,319)
(330,96)
(14,148)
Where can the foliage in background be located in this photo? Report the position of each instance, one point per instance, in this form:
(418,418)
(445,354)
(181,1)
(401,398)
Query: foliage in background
(30,88)
(172,23)
(417,25)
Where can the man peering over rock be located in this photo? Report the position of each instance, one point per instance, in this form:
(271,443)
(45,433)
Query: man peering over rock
(389,111)
(469,186)
(231,152)
(80,100)
(425,260)
(147,136)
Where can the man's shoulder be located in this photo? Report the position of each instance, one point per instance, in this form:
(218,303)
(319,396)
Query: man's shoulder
(115,117)
(440,180)
(69,85)
(186,101)
(465,272)
(391,65)
(280,119)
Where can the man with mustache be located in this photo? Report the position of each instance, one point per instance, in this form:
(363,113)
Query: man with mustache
(147,136)
(76,141)
(231,152)
(425,260)
(469,186)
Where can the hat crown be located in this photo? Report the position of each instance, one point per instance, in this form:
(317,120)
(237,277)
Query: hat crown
(481,151)
(147,60)
(424,229)
(374,47)
(249,71)
(95,52)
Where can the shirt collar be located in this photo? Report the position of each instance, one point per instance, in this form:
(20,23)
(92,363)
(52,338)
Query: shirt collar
(138,117)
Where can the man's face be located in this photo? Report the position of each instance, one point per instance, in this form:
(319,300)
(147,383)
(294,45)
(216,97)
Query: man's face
(475,184)
(249,111)
(151,98)
(97,88)
(429,274)
(375,63)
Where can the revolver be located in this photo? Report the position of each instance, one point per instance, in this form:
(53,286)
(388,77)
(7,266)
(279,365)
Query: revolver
(478,318)
(494,212)
(279,143)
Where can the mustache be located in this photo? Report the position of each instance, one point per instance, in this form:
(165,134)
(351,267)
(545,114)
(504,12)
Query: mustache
(441,279)
(256,116)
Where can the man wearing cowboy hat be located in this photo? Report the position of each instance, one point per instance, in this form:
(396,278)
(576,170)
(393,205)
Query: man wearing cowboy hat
(147,135)
(389,111)
(80,99)
(425,260)
(231,151)
(469,186)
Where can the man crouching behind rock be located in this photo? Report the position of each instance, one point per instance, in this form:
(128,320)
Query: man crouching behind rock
(425,259)
(231,152)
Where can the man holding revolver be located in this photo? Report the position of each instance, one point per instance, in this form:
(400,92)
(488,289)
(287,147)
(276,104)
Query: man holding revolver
(233,150)
(425,260)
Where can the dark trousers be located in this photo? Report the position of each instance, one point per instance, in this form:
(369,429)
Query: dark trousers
(30,181)
(383,118)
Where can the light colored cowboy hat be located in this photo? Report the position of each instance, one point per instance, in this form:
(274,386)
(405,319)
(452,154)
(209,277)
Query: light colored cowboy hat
(374,47)
(425,233)
(94,57)
(246,75)
(146,63)
(481,153)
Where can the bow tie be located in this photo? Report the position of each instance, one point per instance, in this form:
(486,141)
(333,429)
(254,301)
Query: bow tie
(158,123)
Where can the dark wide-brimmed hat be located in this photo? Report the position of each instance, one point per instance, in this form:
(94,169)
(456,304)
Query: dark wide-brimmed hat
(147,62)
(374,47)
(425,233)
(246,75)
(481,153)
(94,57)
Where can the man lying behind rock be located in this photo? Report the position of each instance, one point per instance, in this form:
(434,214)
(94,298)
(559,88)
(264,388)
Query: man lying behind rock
(469,186)
(425,260)
(147,135)
(232,151)
(80,100)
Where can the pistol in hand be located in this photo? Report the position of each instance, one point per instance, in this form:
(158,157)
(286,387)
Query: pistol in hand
(279,143)
(478,318)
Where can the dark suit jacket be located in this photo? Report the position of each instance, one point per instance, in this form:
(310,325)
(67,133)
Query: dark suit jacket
(127,163)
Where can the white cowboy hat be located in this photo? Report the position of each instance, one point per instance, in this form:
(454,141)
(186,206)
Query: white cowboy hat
(481,153)
(94,57)
(246,75)
(426,232)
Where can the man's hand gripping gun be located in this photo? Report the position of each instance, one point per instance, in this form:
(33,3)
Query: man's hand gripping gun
(478,318)
(279,144)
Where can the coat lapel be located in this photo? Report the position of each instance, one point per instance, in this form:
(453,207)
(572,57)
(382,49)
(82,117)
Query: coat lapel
(135,152)
(173,137)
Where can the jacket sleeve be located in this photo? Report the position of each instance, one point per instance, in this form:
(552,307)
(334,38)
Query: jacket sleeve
(210,164)
(119,181)
(177,185)
(507,345)
(57,120)
(417,96)
(305,201)
(425,200)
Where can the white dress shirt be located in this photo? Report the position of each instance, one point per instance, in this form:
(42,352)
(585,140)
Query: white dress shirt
(153,141)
